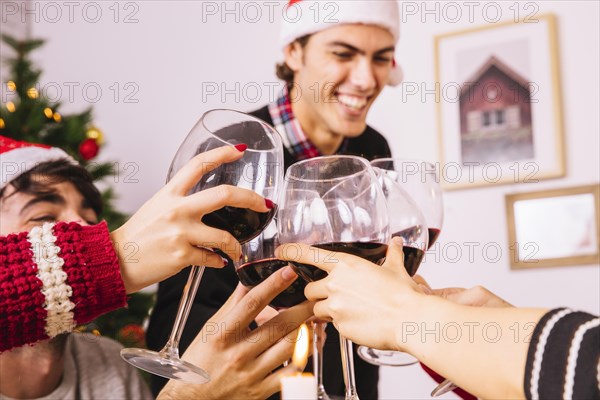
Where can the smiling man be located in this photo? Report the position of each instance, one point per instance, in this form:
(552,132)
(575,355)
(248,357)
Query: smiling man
(338,57)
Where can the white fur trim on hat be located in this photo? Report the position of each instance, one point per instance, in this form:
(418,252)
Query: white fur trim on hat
(309,16)
(17,161)
(305,17)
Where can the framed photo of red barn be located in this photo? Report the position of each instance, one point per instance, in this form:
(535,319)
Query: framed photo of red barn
(499,107)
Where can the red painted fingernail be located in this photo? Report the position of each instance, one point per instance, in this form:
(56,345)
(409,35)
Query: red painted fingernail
(270,205)
(225,261)
(241,147)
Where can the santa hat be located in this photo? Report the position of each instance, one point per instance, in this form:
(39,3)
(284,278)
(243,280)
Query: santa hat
(17,158)
(305,17)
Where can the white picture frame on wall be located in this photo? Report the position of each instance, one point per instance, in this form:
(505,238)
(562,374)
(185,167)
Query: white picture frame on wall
(499,110)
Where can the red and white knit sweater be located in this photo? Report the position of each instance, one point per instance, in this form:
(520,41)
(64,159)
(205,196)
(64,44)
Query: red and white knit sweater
(53,278)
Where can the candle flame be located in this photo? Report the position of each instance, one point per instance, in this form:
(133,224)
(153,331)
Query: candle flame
(300,356)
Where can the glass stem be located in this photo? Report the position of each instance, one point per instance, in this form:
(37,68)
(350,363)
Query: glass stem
(171,349)
(318,330)
(443,388)
(346,348)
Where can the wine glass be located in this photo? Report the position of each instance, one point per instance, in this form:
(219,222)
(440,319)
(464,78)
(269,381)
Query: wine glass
(260,169)
(420,180)
(258,262)
(407,222)
(307,273)
(334,203)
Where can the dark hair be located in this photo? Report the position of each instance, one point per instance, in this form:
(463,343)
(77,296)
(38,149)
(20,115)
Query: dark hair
(37,181)
(282,70)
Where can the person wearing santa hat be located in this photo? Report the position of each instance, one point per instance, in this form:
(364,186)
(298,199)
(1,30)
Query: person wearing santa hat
(335,67)
(45,285)
(59,267)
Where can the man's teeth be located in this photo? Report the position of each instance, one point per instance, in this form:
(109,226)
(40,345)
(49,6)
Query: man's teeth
(352,102)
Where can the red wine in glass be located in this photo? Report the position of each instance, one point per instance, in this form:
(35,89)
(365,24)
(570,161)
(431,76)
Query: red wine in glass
(244,224)
(434,233)
(253,273)
(412,259)
(374,252)
(412,255)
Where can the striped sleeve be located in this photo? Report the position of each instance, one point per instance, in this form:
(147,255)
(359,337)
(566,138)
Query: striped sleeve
(53,278)
(563,359)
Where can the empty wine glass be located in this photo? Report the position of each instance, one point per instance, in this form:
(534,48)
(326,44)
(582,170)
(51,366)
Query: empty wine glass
(334,203)
(260,169)
(407,222)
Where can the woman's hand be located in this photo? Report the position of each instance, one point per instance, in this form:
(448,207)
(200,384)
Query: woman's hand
(166,234)
(362,299)
(477,296)
(239,361)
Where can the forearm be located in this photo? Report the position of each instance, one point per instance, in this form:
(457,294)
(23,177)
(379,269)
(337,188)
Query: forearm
(174,390)
(483,350)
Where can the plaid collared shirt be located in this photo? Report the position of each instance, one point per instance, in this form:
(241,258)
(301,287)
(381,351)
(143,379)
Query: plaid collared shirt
(294,139)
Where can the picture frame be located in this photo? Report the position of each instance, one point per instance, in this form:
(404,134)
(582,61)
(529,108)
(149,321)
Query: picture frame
(553,228)
(499,112)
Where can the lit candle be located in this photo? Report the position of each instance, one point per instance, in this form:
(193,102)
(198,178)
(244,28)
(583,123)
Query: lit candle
(300,386)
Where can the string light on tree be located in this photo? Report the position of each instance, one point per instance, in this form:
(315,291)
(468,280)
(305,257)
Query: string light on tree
(32,93)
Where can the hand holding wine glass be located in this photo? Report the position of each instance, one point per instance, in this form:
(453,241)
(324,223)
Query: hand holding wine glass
(334,203)
(260,169)
(364,300)
(408,223)
(258,263)
(244,364)
(171,214)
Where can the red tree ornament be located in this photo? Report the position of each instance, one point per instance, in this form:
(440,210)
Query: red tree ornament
(132,335)
(89,149)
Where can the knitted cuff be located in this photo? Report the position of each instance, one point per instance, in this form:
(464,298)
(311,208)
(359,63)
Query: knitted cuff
(22,312)
(92,266)
(53,278)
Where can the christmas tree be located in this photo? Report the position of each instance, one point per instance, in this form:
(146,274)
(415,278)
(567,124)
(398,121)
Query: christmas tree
(26,115)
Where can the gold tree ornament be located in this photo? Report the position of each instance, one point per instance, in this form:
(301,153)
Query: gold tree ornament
(96,134)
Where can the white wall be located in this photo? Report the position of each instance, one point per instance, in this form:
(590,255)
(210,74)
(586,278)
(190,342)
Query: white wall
(170,53)
(11,25)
